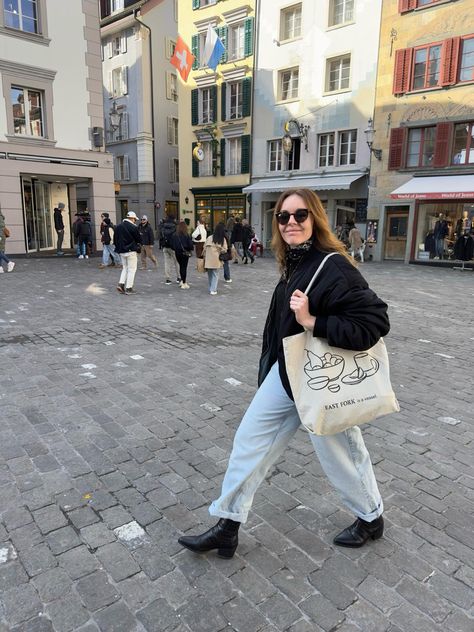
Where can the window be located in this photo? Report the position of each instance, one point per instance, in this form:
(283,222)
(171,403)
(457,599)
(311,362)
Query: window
(338,71)
(236,43)
(173,170)
(171,86)
(121,133)
(275,155)
(463,146)
(290,22)
(121,168)
(172,130)
(340,11)
(293,158)
(205,166)
(235,100)
(170,45)
(326,150)
(466,70)
(197,4)
(421,146)
(234,156)
(27,107)
(288,84)
(347,147)
(206,110)
(409,5)
(119,82)
(21,15)
(426,67)
(116,5)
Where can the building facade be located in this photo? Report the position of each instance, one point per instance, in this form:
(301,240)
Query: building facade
(422,192)
(51,120)
(215,112)
(314,93)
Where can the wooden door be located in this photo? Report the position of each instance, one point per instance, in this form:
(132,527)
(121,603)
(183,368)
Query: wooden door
(396,229)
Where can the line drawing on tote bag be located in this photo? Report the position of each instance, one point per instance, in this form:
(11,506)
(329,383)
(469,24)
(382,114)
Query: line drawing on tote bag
(325,371)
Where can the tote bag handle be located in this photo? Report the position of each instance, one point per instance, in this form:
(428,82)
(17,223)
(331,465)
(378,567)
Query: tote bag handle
(320,267)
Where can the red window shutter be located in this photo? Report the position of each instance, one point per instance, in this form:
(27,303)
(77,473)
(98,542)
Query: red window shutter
(443,139)
(397,143)
(406,5)
(402,70)
(449,61)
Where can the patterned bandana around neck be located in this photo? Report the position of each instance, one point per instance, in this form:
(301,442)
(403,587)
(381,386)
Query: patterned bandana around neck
(293,256)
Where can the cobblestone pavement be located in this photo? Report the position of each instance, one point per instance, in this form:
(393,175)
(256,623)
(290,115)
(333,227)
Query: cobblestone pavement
(117,416)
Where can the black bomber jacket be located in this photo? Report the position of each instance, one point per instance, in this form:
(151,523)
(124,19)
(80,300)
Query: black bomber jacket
(348,313)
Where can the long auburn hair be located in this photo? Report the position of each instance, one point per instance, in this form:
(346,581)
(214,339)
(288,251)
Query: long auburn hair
(323,238)
(182,228)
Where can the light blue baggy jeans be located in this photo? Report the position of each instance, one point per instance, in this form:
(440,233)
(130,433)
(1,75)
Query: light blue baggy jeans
(266,429)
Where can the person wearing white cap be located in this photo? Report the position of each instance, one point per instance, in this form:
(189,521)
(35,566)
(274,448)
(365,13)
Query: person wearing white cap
(127,243)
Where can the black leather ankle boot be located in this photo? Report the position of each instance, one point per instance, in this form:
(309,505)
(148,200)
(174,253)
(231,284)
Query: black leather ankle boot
(359,532)
(224,536)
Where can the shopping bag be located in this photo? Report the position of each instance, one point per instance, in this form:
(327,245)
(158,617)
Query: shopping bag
(336,388)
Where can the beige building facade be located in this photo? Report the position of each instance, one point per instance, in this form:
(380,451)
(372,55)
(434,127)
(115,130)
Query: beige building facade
(215,112)
(51,121)
(421,194)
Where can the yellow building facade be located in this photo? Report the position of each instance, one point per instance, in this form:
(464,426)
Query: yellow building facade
(421,193)
(215,111)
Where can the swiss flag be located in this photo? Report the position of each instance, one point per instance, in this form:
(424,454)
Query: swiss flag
(182,58)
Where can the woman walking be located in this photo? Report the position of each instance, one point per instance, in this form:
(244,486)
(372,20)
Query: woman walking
(199,236)
(182,244)
(340,308)
(213,247)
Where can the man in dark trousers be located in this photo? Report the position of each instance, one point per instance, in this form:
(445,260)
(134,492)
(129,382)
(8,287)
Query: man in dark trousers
(247,236)
(167,230)
(127,243)
(59,227)
(148,239)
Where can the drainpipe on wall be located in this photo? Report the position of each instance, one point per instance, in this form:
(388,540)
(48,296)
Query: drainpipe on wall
(254,69)
(135,12)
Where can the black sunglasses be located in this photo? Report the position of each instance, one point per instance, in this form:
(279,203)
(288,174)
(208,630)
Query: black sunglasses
(300,215)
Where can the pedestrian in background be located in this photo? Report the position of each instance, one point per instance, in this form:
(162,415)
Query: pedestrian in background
(356,242)
(340,308)
(182,245)
(127,242)
(167,230)
(83,233)
(247,236)
(214,246)
(107,239)
(199,236)
(4,234)
(236,238)
(148,239)
(59,228)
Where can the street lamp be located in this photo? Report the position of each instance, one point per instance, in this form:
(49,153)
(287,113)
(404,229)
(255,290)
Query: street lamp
(369,136)
(301,132)
(114,117)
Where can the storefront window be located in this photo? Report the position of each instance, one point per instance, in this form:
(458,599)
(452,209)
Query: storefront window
(463,148)
(218,208)
(439,225)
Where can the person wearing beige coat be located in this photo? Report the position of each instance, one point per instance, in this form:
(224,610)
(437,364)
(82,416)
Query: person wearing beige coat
(213,247)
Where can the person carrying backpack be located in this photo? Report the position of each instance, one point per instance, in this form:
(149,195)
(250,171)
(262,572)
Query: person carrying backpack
(167,230)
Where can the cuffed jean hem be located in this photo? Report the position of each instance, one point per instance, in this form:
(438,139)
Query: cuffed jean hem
(236,517)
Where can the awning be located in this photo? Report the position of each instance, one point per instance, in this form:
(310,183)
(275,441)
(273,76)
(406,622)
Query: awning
(341,182)
(436,188)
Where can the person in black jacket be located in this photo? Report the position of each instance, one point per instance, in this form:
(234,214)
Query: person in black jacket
(167,230)
(59,227)
(84,235)
(127,243)
(247,235)
(182,244)
(342,309)
(236,238)
(148,239)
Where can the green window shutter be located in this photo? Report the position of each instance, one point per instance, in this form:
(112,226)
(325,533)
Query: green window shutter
(195,51)
(245,157)
(222,33)
(222,156)
(213,90)
(246,96)
(248,37)
(195,106)
(223,101)
(195,171)
(196,4)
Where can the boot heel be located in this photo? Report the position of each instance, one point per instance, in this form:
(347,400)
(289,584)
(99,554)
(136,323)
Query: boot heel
(226,553)
(378,534)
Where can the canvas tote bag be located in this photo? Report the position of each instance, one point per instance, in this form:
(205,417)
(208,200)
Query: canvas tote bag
(335,388)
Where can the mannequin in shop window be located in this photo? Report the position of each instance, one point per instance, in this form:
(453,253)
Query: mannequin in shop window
(430,244)
(463,224)
(464,247)
(440,233)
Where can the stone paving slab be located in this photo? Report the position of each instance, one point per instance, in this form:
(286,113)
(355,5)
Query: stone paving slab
(117,415)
